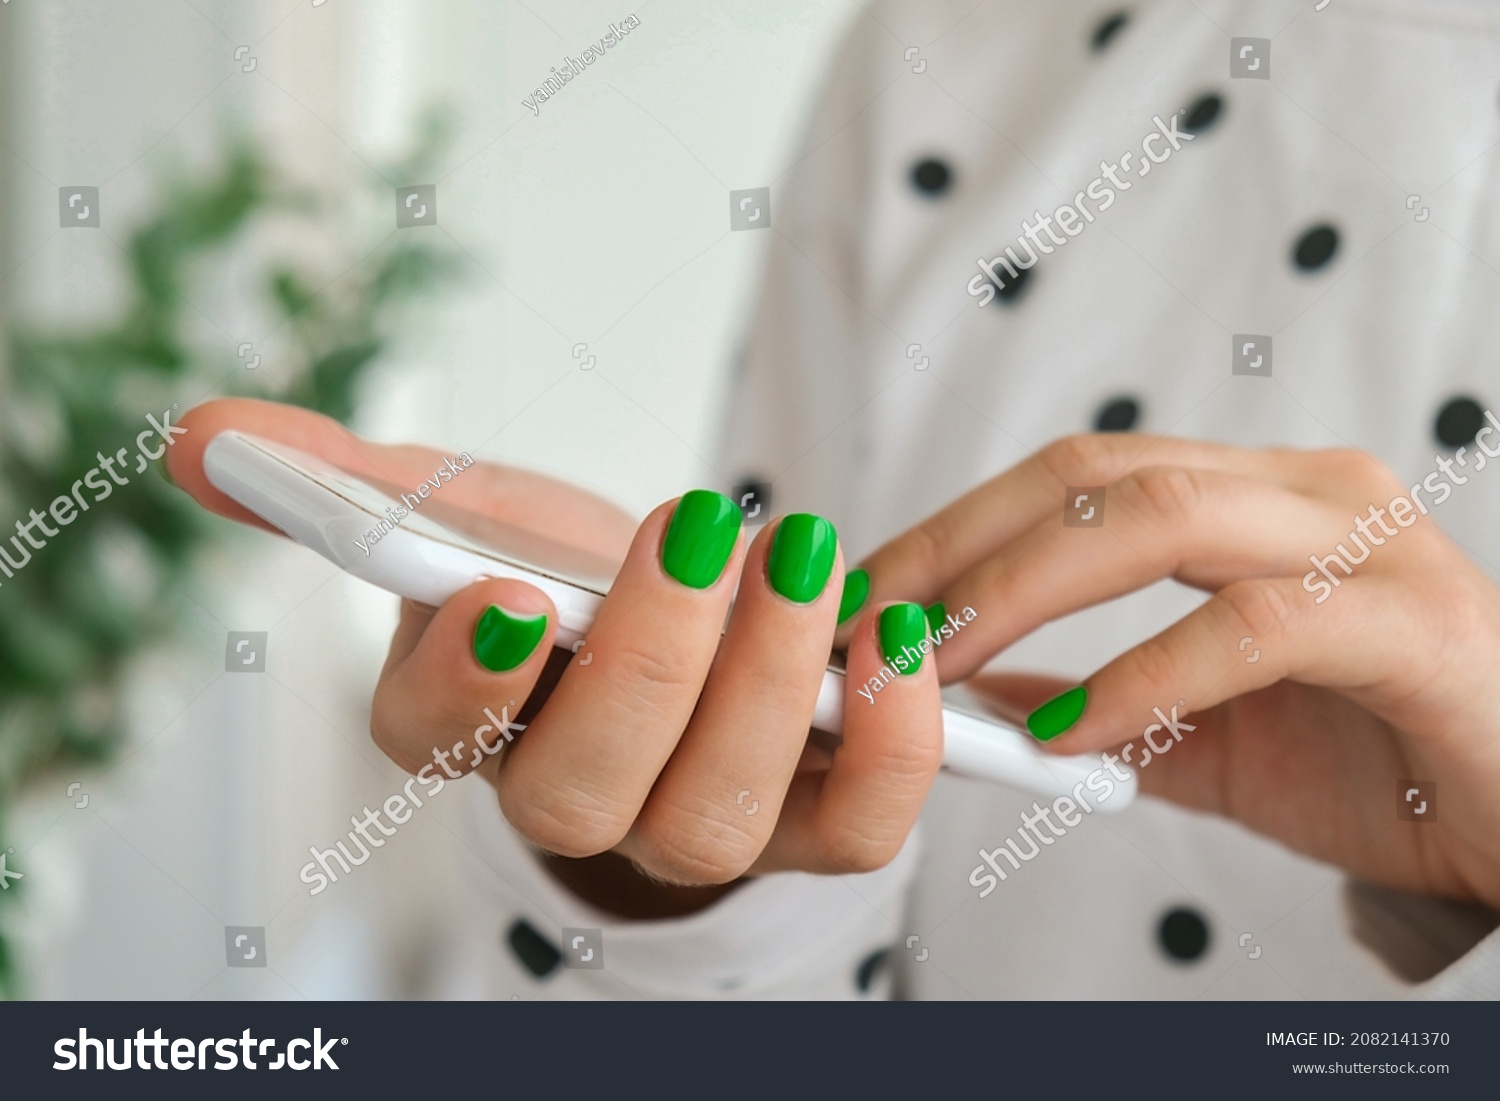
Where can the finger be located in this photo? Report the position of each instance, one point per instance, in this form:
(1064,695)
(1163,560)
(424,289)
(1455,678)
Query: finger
(920,563)
(1204,528)
(1014,696)
(447,701)
(1356,643)
(520,497)
(717,801)
(301,428)
(410,625)
(856,816)
(577,781)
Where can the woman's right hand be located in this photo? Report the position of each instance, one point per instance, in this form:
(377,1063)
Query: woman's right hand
(657,729)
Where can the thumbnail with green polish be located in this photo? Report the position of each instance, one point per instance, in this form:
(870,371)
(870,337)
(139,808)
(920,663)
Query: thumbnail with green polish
(1057,715)
(903,629)
(503,641)
(802,554)
(937,615)
(856,592)
(700,538)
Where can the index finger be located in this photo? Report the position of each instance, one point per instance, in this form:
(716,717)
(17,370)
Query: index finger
(923,561)
(516,496)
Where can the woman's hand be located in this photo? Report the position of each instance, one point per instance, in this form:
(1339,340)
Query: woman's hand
(1365,680)
(654,731)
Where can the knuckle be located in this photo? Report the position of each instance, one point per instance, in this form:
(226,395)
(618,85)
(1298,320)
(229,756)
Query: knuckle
(1259,608)
(1356,461)
(654,674)
(925,548)
(908,759)
(1353,467)
(695,849)
(1155,663)
(1453,625)
(1078,460)
(1169,493)
(847,849)
(409,735)
(567,823)
(395,742)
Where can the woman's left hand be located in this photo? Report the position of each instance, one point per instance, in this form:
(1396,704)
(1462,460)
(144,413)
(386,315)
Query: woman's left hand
(1388,674)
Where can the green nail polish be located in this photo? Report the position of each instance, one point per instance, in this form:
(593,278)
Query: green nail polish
(1058,715)
(503,641)
(903,629)
(937,615)
(700,538)
(801,558)
(856,592)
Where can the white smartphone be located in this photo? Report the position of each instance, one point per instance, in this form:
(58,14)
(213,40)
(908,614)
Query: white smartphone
(435,550)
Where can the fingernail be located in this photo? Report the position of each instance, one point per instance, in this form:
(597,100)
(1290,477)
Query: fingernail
(1057,715)
(801,558)
(166,475)
(700,538)
(903,629)
(503,641)
(856,592)
(937,615)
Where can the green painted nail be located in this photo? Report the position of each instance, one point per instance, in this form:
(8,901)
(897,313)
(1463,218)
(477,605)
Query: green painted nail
(903,629)
(856,592)
(801,558)
(503,641)
(937,615)
(701,537)
(1058,715)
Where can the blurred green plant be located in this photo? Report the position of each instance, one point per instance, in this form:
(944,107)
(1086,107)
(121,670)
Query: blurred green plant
(91,599)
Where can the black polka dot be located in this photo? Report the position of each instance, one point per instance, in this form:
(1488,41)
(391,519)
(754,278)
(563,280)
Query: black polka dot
(1009,288)
(864,977)
(1459,422)
(1117,415)
(1105,32)
(536,953)
(1316,247)
(1183,934)
(1203,113)
(931,177)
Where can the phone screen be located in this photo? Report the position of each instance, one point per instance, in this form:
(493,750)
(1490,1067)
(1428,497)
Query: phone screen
(439,519)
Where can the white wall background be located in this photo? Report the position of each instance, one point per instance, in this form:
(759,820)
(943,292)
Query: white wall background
(604,220)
